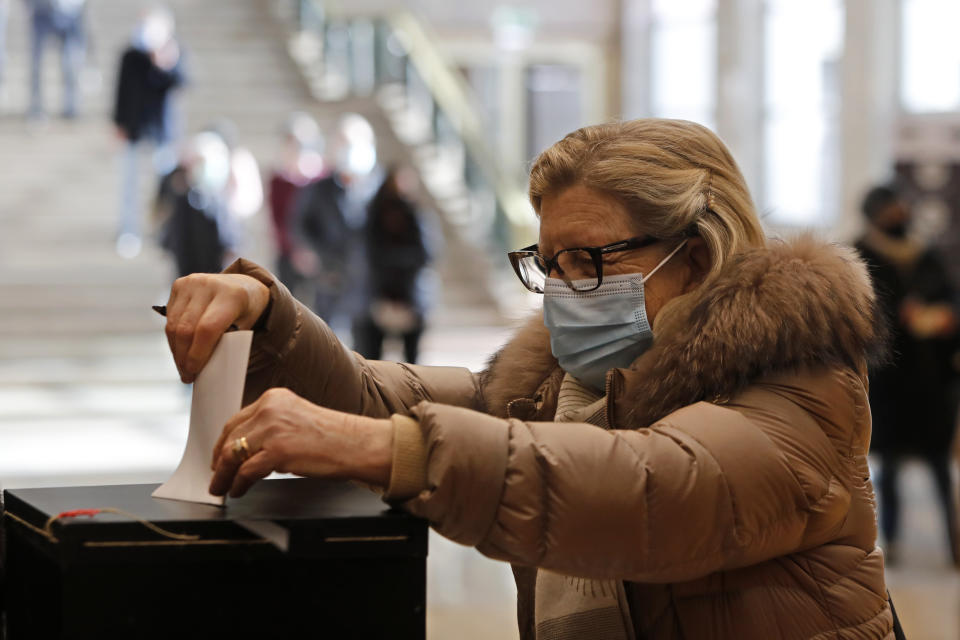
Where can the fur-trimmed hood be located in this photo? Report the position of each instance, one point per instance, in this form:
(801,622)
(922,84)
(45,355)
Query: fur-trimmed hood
(790,305)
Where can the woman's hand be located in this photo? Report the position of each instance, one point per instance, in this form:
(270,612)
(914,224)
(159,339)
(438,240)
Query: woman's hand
(201,307)
(288,434)
(927,321)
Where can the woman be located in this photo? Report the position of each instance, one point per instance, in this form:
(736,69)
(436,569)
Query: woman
(397,259)
(708,480)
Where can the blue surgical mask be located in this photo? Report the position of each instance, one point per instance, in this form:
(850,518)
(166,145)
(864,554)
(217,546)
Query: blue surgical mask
(592,332)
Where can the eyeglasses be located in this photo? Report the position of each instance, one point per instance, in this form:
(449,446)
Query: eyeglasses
(580,267)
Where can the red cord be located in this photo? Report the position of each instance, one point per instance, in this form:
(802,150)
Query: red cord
(78,512)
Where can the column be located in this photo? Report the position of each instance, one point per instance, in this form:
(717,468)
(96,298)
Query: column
(740,85)
(870,104)
(635,59)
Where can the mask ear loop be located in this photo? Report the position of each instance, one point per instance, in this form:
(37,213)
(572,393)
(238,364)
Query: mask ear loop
(663,262)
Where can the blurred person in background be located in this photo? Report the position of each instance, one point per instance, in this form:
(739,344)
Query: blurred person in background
(398,254)
(63,19)
(913,398)
(196,226)
(244,191)
(300,164)
(150,69)
(329,218)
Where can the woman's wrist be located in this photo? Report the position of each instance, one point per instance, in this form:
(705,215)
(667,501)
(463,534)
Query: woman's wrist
(258,287)
(261,322)
(372,459)
(408,468)
(258,301)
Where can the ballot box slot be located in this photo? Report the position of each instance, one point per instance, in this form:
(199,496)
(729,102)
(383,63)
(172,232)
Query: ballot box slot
(367,539)
(94,544)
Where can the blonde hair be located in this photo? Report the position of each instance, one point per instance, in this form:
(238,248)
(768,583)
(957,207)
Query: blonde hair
(675,177)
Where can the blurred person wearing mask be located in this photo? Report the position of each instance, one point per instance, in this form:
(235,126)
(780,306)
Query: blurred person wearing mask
(196,225)
(913,398)
(150,69)
(399,250)
(244,190)
(329,216)
(300,164)
(63,19)
(676,447)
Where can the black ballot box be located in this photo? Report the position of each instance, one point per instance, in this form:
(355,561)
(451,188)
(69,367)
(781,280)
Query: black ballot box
(330,560)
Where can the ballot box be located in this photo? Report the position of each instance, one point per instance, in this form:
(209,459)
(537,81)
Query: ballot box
(292,559)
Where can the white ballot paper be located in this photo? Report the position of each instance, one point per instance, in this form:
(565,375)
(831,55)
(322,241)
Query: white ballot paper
(217,395)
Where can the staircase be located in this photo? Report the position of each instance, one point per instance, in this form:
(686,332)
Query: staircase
(84,367)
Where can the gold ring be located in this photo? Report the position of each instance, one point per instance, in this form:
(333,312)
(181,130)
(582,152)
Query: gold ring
(241,448)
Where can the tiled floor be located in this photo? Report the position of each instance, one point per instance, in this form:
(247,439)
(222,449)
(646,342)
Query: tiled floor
(925,589)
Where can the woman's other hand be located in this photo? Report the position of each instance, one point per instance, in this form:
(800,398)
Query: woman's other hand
(288,434)
(202,307)
(926,321)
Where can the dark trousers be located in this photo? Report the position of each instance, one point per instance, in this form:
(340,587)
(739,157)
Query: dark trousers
(4,10)
(368,340)
(887,485)
(72,48)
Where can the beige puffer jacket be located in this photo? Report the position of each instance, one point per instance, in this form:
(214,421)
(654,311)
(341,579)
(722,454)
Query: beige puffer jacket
(731,495)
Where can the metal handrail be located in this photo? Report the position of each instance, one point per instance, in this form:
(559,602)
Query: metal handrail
(452,97)
(451,94)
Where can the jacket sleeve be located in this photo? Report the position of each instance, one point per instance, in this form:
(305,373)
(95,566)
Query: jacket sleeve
(701,491)
(297,350)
